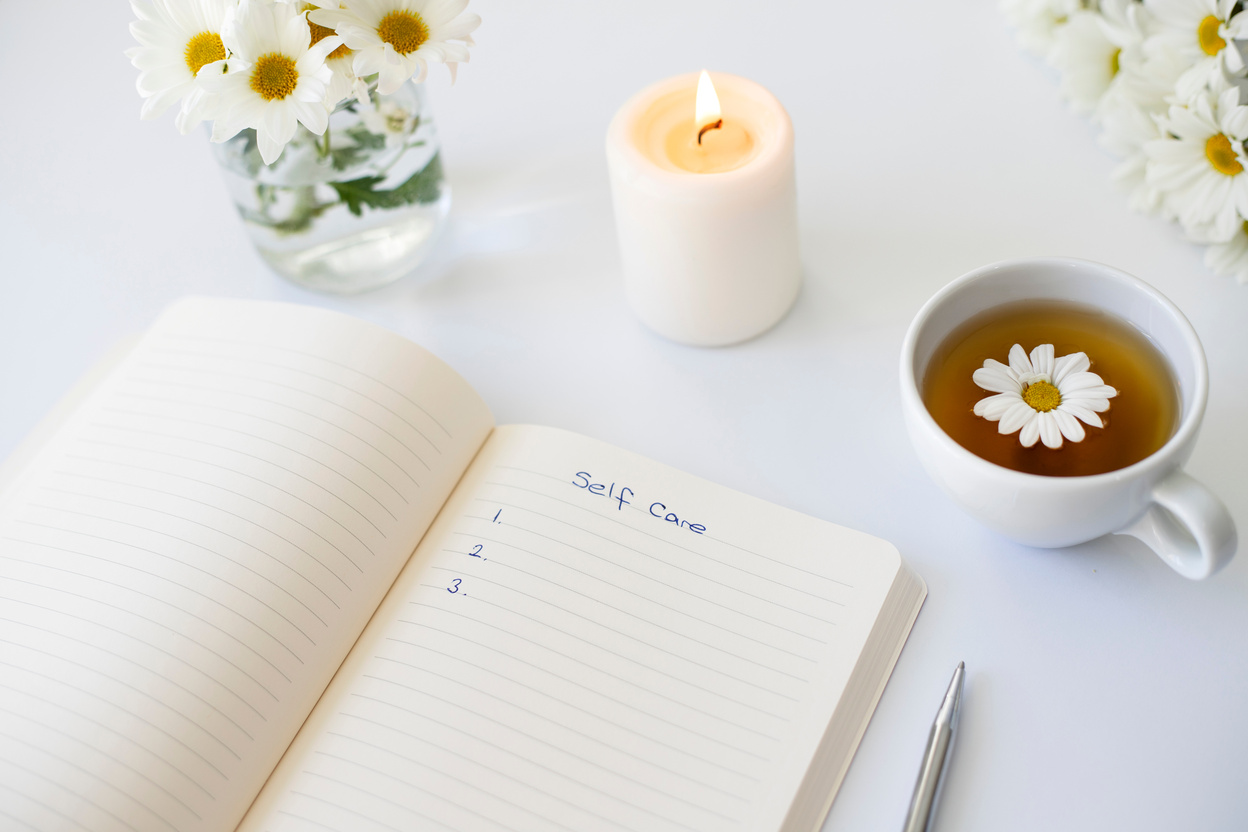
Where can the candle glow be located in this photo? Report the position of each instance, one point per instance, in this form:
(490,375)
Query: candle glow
(706,109)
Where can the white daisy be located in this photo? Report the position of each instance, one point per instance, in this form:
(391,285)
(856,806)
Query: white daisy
(1230,258)
(179,38)
(345,83)
(1037,22)
(1101,56)
(1201,31)
(397,38)
(1087,59)
(276,77)
(1041,397)
(1198,164)
(390,119)
(1125,130)
(1129,114)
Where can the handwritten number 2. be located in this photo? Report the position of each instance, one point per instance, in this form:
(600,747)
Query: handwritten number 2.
(454,587)
(476,551)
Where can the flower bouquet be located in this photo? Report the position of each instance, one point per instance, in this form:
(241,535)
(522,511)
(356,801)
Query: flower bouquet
(1165,81)
(319,121)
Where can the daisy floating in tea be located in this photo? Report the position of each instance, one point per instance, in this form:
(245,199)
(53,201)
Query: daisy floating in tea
(1042,397)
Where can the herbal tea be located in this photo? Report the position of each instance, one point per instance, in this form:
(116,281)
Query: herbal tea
(1137,416)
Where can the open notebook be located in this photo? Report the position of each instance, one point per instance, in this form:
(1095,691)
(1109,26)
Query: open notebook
(276,569)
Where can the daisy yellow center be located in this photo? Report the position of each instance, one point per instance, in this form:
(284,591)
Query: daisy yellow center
(404,30)
(202,50)
(319,33)
(1042,396)
(274,76)
(1207,33)
(1221,155)
(1113,63)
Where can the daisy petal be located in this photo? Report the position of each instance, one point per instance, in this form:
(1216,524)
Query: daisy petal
(1019,362)
(1081,381)
(1031,431)
(1069,426)
(1050,433)
(994,407)
(998,379)
(1066,365)
(1014,418)
(1082,413)
(1042,360)
(1088,393)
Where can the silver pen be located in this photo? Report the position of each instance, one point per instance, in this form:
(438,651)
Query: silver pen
(936,757)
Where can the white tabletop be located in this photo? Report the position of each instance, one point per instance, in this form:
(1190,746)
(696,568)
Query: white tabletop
(1103,690)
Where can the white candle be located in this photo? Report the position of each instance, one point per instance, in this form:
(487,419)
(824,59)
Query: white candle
(708,229)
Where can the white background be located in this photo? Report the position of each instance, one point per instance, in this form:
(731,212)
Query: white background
(1104,691)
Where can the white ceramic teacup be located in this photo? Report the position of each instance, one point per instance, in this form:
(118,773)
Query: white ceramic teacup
(1152,500)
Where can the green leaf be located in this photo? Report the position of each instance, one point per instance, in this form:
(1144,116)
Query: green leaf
(360,134)
(344,157)
(421,187)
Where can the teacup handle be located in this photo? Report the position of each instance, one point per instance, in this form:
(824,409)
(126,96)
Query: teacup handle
(1201,541)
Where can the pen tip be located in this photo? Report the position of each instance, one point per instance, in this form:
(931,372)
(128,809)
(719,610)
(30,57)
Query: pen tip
(961,665)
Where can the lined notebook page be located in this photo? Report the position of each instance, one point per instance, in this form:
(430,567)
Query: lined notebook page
(184,566)
(587,640)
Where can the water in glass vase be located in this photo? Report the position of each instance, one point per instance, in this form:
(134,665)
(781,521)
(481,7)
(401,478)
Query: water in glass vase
(354,209)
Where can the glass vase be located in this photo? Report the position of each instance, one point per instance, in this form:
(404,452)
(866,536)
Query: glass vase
(354,209)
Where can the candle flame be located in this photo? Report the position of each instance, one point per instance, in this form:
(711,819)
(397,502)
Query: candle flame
(706,109)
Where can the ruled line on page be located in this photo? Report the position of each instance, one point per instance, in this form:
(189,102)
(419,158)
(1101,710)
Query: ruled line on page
(642,665)
(215,426)
(123,684)
(670,565)
(79,795)
(112,758)
(275,422)
(211,678)
(141,666)
(239,494)
(565,680)
(211,506)
(620,632)
(234,586)
(777,561)
(617,588)
(288,814)
(566,704)
(694,709)
(273,558)
(342,808)
(530,762)
(314,357)
(225,468)
(97,579)
(46,807)
(120,735)
(165,383)
(407,784)
(822,598)
(285,368)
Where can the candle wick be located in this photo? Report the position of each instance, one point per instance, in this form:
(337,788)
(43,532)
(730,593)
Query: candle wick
(715,125)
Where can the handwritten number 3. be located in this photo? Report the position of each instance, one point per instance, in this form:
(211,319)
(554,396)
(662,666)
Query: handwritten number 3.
(454,587)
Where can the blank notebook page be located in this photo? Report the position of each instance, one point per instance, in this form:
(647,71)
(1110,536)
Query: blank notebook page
(186,563)
(587,640)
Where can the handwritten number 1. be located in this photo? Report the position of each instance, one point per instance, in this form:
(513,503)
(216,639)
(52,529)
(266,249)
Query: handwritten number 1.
(454,587)
(495,520)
